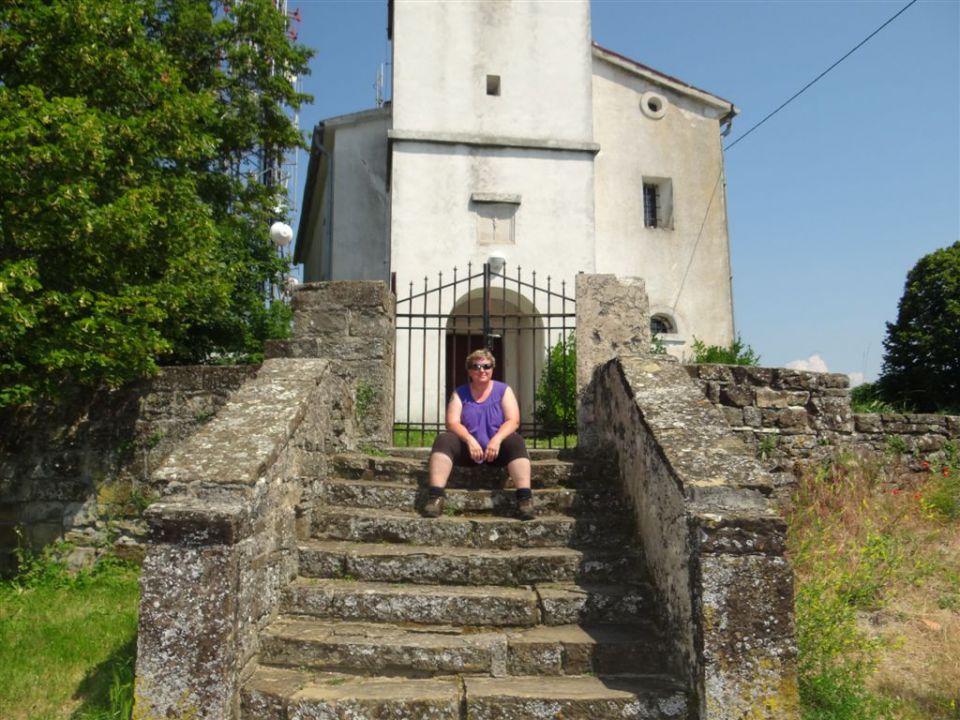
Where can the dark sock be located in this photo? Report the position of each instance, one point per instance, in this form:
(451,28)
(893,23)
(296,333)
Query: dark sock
(524,494)
(437,492)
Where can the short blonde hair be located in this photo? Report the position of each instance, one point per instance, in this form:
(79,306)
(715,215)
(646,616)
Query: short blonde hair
(477,355)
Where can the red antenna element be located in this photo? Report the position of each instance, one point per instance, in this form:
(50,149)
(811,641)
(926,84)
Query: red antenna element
(292,34)
(295,15)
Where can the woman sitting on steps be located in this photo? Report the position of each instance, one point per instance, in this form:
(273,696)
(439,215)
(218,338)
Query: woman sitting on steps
(482,421)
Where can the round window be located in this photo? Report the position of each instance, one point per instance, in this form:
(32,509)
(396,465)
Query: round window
(653,105)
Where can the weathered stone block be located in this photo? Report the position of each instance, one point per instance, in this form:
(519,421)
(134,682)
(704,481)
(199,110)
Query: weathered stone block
(748,637)
(736,395)
(186,655)
(740,534)
(867,423)
(752,417)
(952,424)
(617,312)
(733,415)
(750,375)
(834,380)
(767,398)
(331,324)
(376,322)
(792,418)
(345,293)
(785,379)
(716,373)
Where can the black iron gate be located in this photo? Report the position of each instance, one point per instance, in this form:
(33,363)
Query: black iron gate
(529,328)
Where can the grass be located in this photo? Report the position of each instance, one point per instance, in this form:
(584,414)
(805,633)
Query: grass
(876,552)
(68,641)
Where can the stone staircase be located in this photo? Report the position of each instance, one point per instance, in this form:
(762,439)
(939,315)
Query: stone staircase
(471,615)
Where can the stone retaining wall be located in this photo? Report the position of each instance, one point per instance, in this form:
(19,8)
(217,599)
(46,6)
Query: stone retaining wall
(77,471)
(794,414)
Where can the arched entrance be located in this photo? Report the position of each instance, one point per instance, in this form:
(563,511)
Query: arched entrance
(438,326)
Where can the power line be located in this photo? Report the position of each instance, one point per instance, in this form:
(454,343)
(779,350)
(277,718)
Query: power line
(811,83)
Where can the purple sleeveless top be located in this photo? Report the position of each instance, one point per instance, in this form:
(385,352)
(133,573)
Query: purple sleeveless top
(482,419)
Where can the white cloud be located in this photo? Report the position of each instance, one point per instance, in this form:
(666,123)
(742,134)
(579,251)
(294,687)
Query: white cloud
(856,378)
(814,363)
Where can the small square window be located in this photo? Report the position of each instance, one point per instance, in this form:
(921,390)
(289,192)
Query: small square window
(493,84)
(657,203)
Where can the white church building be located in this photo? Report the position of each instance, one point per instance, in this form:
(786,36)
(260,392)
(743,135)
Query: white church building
(512,137)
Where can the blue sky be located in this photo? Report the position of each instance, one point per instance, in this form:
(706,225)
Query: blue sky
(831,202)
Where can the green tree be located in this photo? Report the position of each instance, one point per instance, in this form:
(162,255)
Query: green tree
(133,202)
(556,407)
(921,363)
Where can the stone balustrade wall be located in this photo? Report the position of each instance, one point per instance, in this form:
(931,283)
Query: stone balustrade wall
(794,414)
(236,495)
(223,537)
(711,534)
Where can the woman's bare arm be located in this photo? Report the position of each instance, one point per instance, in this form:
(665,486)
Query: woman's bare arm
(511,423)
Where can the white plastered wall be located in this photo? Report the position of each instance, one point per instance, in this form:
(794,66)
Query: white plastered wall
(443,52)
(362,212)
(683,145)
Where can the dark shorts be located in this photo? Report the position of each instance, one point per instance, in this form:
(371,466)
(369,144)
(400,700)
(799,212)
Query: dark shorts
(512,448)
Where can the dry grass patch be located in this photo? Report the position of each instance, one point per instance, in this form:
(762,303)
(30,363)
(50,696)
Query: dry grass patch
(876,550)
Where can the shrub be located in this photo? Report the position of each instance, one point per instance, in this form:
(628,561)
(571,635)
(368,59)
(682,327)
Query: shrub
(556,409)
(736,354)
(868,398)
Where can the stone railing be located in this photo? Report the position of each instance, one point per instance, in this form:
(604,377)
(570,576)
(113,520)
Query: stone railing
(712,538)
(793,414)
(76,471)
(222,540)
(711,535)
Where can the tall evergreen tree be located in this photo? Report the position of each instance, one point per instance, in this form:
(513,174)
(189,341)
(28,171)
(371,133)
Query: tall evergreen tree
(134,205)
(921,364)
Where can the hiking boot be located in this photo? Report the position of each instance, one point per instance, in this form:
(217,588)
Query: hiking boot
(525,509)
(434,506)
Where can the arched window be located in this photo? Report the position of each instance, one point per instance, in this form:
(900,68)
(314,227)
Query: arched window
(662,325)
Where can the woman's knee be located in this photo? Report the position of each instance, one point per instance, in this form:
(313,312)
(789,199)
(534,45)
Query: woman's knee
(513,448)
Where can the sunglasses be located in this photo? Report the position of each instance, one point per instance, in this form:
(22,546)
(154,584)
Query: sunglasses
(481,366)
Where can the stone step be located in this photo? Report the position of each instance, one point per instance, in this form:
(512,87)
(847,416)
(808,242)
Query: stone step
(570,603)
(481,605)
(387,649)
(283,694)
(387,495)
(424,564)
(549,472)
(583,697)
(478,531)
(467,605)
